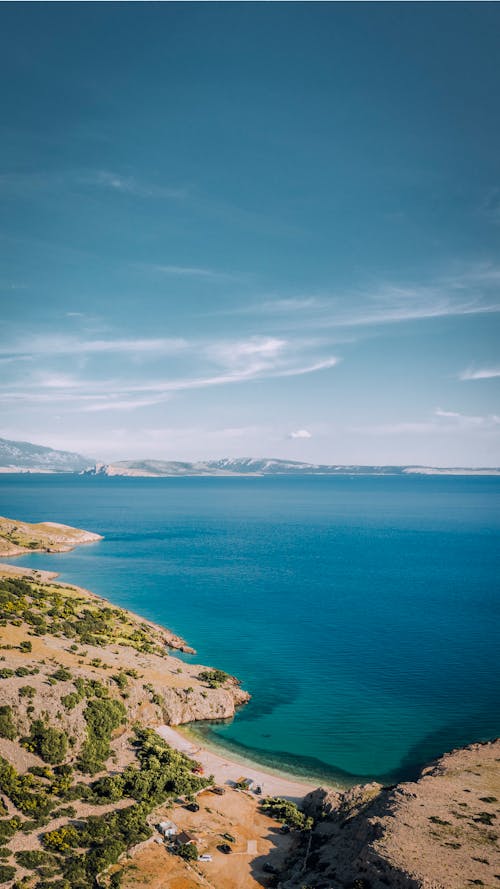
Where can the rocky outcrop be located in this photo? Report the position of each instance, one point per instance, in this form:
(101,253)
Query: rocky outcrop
(18,538)
(439,832)
(182,705)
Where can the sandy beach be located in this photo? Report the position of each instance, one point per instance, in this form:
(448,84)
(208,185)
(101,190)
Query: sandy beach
(227,771)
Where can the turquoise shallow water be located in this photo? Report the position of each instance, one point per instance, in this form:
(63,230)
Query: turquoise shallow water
(361,613)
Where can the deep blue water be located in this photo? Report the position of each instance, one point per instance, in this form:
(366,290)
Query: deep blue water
(361,613)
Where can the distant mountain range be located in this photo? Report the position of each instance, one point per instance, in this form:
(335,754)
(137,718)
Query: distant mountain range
(21,456)
(251,466)
(245,466)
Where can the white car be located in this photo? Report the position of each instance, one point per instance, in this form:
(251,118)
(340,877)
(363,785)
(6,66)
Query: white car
(204,857)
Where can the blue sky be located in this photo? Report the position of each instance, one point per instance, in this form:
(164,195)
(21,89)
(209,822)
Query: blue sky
(252,229)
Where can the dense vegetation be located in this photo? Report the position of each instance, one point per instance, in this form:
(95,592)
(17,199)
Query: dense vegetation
(80,850)
(102,717)
(58,610)
(73,739)
(286,812)
(48,742)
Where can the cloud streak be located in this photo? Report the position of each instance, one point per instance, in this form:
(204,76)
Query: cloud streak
(484,373)
(221,362)
(67,345)
(131,185)
(181,271)
(470,291)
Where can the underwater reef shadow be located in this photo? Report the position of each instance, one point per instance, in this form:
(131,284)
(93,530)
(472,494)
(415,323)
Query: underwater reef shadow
(430,748)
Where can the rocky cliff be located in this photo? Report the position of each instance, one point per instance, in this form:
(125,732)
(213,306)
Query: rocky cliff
(439,832)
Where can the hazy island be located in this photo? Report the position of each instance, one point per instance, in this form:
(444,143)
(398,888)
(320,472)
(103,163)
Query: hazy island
(25,457)
(91,793)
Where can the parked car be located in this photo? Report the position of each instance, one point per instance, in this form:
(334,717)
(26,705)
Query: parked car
(204,857)
(193,807)
(229,837)
(218,790)
(225,848)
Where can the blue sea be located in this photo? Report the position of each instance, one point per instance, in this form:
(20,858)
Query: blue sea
(362,613)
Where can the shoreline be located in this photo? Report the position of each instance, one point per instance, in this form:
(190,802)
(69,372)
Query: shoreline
(191,731)
(227,770)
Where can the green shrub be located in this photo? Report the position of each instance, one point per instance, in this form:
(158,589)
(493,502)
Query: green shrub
(63,839)
(109,788)
(61,674)
(188,851)
(7,873)
(7,727)
(286,812)
(34,858)
(70,700)
(8,829)
(213,678)
(49,743)
(121,680)
(102,718)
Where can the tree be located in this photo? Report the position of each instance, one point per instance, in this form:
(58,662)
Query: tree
(7,727)
(188,851)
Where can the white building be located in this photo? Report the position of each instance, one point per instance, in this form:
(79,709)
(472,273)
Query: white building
(167,828)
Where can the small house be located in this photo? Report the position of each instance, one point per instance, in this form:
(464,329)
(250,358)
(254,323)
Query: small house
(184,838)
(167,828)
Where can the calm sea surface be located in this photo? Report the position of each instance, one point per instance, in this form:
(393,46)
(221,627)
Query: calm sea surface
(363,614)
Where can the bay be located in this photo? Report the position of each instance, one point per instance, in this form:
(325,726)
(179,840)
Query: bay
(362,613)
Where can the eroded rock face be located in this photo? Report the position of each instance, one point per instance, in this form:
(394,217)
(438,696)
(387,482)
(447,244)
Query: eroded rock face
(182,706)
(439,832)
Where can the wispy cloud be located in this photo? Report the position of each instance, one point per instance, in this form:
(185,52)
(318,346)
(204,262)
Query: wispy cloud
(468,420)
(221,362)
(300,433)
(27,183)
(470,290)
(131,185)
(180,271)
(70,345)
(122,404)
(483,373)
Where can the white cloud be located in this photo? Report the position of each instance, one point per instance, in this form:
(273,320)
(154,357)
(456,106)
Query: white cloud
(300,433)
(133,186)
(182,271)
(237,351)
(311,368)
(485,373)
(470,290)
(70,345)
(219,362)
(467,420)
(124,404)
